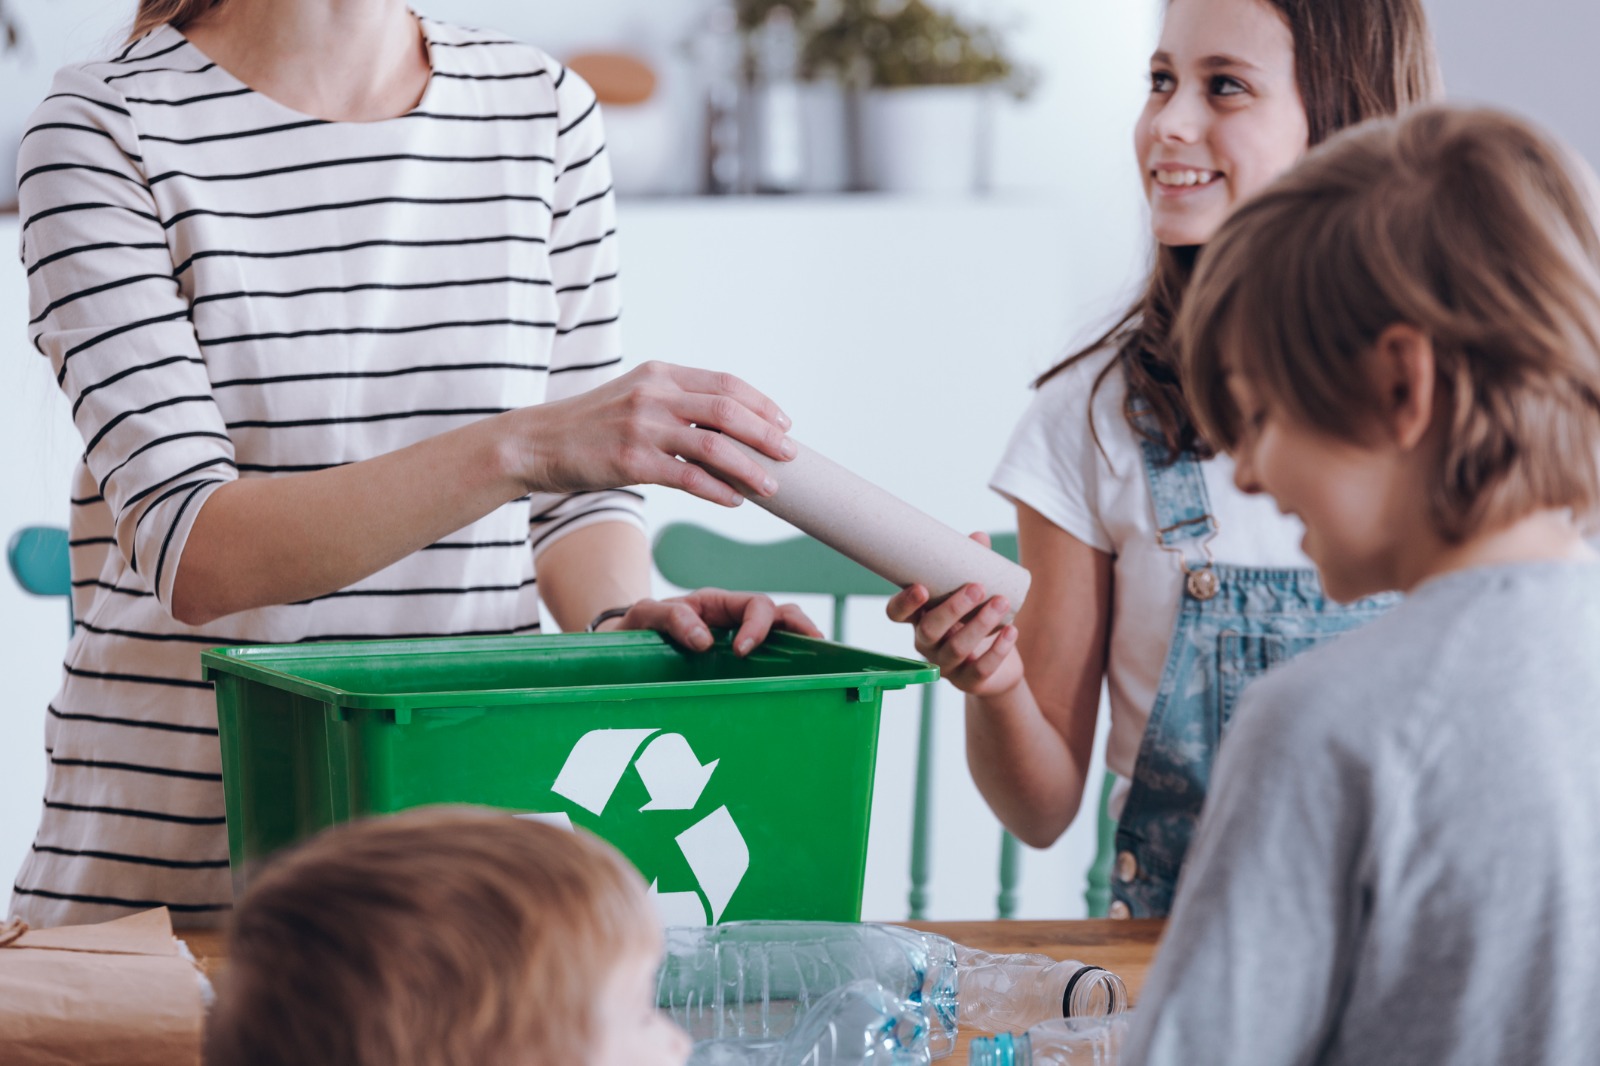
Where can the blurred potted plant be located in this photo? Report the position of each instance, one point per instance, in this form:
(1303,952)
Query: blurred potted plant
(929,79)
(11,41)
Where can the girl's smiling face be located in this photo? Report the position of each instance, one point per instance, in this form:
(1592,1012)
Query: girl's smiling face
(1224,117)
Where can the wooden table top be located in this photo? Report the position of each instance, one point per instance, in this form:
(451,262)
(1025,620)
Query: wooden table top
(1124,947)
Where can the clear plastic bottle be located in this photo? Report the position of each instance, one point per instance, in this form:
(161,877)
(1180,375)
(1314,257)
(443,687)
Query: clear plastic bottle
(1063,1042)
(860,1024)
(1007,993)
(755,980)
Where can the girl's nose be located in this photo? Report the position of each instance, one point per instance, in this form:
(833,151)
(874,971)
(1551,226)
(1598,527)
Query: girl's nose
(1181,119)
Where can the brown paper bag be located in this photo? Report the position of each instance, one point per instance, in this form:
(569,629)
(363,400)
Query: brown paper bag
(115,994)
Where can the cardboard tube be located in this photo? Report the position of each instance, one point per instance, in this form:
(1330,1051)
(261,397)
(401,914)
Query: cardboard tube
(883,533)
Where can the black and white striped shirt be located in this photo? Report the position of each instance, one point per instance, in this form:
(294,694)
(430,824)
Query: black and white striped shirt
(227,288)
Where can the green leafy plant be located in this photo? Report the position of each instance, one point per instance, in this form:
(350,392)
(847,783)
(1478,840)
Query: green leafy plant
(753,13)
(911,44)
(10,30)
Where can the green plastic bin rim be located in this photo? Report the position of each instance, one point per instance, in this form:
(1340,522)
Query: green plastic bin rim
(274,665)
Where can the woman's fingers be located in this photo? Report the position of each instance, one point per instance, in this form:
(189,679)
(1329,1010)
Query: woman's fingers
(792,618)
(676,619)
(734,419)
(758,615)
(717,383)
(723,459)
(686,619)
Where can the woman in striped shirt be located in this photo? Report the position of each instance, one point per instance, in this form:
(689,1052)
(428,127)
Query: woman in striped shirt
(332,291)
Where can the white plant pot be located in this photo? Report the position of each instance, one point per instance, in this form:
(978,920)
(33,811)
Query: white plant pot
(824,113)
(929,139)
(645,145)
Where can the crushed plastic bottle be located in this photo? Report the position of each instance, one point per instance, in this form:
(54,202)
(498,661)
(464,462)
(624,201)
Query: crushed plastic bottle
(860,1024)
(755,981)
(1006,993)
(1062,1042)
(750,981)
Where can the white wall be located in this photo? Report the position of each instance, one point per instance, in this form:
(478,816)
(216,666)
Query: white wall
(1533,56)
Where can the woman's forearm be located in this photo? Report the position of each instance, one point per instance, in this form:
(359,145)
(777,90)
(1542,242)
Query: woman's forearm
(594,569)
(263,541)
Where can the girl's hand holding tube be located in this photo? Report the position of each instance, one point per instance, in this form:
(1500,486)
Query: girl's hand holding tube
(965,636)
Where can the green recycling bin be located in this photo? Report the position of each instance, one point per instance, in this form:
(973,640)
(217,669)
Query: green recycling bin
(741,788)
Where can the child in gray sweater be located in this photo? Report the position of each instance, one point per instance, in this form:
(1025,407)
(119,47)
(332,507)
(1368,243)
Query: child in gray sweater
(1399,858)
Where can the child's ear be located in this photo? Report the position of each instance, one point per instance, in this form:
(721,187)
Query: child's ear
(1400,372)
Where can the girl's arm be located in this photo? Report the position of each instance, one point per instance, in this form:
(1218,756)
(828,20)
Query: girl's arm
(1030,734)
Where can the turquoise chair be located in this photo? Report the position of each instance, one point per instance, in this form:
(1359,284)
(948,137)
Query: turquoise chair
(690,557)
(37,556)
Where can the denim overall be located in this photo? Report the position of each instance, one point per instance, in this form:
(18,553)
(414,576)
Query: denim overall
(1233,623)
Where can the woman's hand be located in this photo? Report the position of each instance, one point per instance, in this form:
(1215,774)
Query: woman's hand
(685,618)
(658,424)
(965,635)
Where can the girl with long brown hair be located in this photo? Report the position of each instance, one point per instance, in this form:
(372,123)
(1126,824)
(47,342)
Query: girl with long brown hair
(1153,573)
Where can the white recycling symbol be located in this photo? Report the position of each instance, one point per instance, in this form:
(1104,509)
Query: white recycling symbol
(675,779)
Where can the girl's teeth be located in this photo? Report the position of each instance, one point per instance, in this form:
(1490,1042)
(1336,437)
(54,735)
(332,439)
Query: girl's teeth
(1185,177)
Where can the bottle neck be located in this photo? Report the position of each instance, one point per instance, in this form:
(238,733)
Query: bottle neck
(1093,992)
(1006,1049)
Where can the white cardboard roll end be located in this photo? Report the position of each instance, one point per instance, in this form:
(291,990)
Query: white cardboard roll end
(882,532)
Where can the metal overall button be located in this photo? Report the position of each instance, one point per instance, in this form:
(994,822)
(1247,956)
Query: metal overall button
(1201,581)
(1203,584)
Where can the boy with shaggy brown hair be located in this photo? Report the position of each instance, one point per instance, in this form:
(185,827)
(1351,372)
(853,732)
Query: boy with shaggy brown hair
(1399,860)
(444,937)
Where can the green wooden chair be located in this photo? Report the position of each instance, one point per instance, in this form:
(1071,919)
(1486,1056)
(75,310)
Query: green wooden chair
(1097,895)
(37,556)
(690,557)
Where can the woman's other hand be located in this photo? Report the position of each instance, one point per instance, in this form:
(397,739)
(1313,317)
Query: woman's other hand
(686,619)
(965,635)
(658,424)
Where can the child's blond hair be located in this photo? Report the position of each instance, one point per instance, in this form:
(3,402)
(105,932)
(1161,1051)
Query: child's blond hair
(444,937)
(1466,224)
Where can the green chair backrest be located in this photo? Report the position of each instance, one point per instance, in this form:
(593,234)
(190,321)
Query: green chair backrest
(690,557)
(39,561)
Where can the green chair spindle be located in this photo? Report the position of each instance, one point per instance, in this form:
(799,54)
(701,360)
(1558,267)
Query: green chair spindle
(1097,896)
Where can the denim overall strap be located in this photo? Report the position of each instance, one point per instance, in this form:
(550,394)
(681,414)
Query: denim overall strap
(1233,624)
(1184,523)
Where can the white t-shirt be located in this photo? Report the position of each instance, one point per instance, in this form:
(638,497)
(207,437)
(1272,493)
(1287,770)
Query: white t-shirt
(1098,493)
